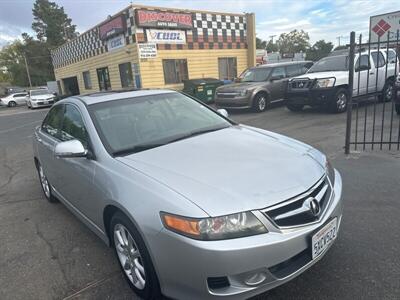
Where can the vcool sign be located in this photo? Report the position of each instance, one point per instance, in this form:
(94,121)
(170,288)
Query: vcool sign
(116,42)
(385,25)
(164,36)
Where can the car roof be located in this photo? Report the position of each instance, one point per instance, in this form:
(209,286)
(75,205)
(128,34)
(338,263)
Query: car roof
(284,64)
(106,96)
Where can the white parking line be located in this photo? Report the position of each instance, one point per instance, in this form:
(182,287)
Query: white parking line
(13,112)
(18,127)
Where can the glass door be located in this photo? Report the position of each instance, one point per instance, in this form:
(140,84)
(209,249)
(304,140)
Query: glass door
(104,79)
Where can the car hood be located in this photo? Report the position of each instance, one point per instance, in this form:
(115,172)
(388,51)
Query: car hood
(42,97)
(231,170)
(336,74)
(235,87)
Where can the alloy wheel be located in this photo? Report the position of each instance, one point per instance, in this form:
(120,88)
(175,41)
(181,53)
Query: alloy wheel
(43,181)
(341,101)
(129,256)
(262,103)
(389,92)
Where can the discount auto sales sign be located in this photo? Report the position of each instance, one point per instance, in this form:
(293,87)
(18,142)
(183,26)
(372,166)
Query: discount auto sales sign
(163,19)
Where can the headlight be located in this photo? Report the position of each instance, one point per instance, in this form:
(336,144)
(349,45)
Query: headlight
(325,82)
(330,171)
(218,228)
(243,93)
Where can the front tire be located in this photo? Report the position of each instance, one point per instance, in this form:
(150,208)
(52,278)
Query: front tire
(339,101)
(133,257)
(388,91)
(260,102)
(294,107)
(45,184)
(12,104)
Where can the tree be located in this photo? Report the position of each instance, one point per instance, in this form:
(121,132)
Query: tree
(260,44)
(319,50)
(51,24)
(271,47)
(293,42)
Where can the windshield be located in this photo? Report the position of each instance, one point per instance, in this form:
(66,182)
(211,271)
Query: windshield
(255,74)
(39,92)
(136,124)
(331,63)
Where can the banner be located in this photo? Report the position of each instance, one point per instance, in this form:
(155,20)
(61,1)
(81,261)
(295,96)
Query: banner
(163,19)
(165,36)
(112,28)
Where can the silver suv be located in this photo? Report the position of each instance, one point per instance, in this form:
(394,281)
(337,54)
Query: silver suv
(195,205)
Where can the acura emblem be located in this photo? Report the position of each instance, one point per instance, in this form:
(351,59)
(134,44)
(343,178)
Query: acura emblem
(301,84)
(314,206)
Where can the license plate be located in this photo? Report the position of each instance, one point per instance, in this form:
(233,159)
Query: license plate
(46,102)
(209,92)
(323,238)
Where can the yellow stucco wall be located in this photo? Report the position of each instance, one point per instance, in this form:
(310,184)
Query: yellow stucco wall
(109,59)
(200,63)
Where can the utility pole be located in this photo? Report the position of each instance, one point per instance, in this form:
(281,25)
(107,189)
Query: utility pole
(272,38)
(27,72)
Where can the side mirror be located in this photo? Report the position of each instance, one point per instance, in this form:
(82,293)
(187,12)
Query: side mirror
(73,148)
(223,112)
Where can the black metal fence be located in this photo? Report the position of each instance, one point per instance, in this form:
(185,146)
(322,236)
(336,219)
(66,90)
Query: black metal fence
(372,122)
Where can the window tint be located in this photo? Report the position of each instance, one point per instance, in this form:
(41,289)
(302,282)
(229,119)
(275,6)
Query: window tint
(73,126)
(52,122)
(227,68)
(363,63)
(175,70)
(125,73)
(294,70)
(278,72)
(87,80)
(379,60)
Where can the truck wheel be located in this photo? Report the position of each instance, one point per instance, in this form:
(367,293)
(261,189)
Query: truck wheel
(397,106)
(387,92)
(294,107)
(260,102)
(339,101)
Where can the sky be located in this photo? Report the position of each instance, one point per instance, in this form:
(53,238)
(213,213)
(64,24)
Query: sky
(322,19)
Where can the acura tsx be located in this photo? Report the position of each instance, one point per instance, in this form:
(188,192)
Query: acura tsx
(195,205)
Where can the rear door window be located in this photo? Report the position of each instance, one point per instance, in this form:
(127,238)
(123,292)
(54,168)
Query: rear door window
(294,70)
(278,72)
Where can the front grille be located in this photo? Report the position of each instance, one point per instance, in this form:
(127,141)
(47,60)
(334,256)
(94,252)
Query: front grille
(227,95)
(300,84)
(299,210)
(217,282)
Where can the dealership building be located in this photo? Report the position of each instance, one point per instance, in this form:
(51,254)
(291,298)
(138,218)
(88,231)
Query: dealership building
(154,47)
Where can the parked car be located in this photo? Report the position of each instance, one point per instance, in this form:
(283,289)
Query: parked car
(195,205)
(259,86)
(14,89)
(14,99)
(396,97)
(326,83)
(40,98)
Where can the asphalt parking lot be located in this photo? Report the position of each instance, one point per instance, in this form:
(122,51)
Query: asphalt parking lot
(46,253)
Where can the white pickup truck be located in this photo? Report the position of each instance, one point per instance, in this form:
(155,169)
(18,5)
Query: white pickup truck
(326,83)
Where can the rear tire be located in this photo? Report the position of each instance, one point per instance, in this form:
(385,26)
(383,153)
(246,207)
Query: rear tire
(133,257)
(260,102)
(397,107)
(294,107)
(387,92)
(339,101)
(12,104)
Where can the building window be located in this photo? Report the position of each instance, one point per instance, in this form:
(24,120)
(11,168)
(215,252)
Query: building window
(87,80)
(125,72)
(175,70)
(227,68)
(104,79)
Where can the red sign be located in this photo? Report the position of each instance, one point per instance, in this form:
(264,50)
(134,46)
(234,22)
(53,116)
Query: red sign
(112,28)
(381,27)
(163,19)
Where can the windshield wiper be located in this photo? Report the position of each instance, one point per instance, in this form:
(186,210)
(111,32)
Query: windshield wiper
(194,133)
(135,149)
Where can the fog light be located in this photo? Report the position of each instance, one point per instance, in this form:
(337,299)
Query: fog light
(255,279)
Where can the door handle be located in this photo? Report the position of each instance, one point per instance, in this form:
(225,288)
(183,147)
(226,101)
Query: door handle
(371,73)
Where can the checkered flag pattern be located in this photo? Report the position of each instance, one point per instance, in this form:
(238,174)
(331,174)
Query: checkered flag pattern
(210,31)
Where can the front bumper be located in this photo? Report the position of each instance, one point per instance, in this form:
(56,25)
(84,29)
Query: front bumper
(313,97)
(238,102)
(183,265)
(41,103)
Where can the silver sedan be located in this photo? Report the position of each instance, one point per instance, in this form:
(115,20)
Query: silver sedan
(195,205)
